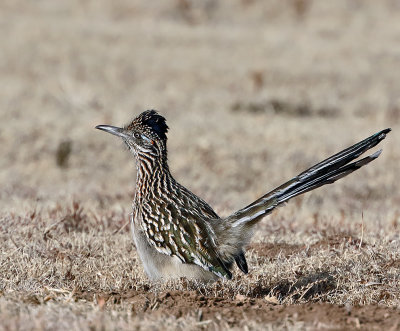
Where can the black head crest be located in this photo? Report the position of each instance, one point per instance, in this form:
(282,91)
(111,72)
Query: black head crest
(151,121)
(156,122)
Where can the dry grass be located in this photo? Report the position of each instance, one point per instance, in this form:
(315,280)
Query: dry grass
(254,92)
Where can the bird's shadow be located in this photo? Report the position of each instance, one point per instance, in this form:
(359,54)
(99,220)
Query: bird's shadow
(307,287)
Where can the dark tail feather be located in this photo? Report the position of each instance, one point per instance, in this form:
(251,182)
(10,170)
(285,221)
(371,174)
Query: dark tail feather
(325,172)
(241,262)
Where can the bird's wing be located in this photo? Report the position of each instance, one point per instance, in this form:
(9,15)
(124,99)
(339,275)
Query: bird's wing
(182,232)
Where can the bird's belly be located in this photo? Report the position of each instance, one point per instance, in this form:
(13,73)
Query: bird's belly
(159,266)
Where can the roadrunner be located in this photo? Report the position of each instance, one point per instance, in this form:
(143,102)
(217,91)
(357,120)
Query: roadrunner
(177,234)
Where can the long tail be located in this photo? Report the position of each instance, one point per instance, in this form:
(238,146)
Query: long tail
(325,172)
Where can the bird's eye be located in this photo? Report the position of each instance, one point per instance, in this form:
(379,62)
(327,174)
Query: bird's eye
(137,135)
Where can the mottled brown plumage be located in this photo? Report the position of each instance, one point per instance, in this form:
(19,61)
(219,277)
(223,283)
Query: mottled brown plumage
(177,234)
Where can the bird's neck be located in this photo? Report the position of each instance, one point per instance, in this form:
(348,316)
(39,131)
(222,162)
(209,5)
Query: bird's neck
(152,174)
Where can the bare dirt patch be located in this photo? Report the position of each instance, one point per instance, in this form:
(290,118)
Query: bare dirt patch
(260,310)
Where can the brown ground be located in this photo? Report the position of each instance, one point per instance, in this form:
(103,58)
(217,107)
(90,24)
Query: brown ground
(254,92)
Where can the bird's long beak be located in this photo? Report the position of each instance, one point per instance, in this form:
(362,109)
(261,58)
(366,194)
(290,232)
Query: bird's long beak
(120,132)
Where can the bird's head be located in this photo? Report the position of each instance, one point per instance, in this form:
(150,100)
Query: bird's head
(146,134)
